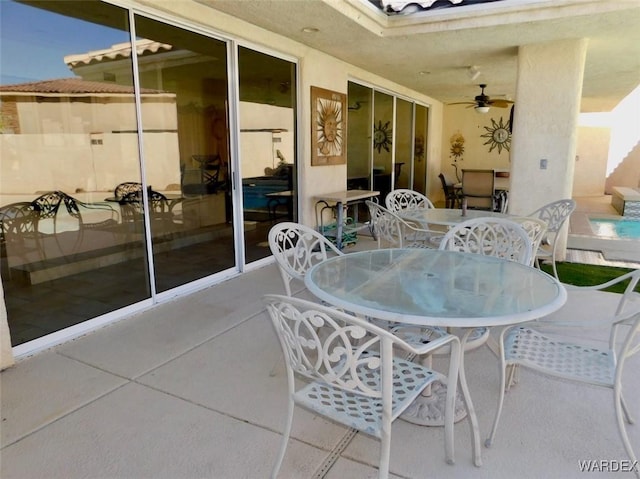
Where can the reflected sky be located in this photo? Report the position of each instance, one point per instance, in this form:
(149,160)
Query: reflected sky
(34,42)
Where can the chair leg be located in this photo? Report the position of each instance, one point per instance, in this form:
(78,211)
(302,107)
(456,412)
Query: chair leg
(450,402)
(503,385)
(471,413)
(625,409)
(285,438)
(619,406)
(385,452)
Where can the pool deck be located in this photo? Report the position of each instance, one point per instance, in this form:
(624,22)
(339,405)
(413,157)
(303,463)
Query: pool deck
(615,252)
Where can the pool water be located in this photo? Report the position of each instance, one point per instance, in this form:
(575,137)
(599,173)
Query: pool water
(622,229)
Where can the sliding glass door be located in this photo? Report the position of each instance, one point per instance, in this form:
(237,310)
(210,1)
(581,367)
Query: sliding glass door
(183,87)
(386,141)
(267,88)
(69,137)
(116,179)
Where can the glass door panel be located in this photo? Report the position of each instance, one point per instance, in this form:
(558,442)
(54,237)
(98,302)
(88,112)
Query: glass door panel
(359,147)
(69,136)
(420,150)
(183,81)
(267,146)
(382,143)
(404,144)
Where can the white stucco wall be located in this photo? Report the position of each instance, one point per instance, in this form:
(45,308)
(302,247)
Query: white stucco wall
(591,161)
(465,121)
(6,357)
(545,129)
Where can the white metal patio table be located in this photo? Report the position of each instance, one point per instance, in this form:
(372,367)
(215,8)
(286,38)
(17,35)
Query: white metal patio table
(341,198)
(428,287)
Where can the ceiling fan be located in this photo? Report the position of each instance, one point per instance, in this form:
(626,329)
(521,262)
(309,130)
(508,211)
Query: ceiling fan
(482,102)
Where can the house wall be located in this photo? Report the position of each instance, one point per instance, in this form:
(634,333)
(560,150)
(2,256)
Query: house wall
(626,173)
(460,120)
(592,148)
(592,151)
(315,69)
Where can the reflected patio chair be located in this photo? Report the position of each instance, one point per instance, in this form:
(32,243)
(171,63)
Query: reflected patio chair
(296,248)
(80,217)
(19,240)
(351,374)
(391,231)
(451,197)
(125,188)
(478,190)
(161,218)
(555,214)
(569,357)
(400,199)
(212,175)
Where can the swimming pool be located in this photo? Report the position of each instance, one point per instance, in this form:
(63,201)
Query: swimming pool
(622,229)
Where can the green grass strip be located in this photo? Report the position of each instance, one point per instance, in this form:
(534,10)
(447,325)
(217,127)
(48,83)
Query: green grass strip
(580,274)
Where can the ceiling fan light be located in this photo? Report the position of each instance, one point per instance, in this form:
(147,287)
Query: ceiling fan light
(482,109)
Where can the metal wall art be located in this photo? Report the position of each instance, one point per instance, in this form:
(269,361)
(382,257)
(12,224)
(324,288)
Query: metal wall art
(328,127)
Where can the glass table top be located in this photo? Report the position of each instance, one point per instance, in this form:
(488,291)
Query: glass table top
(437,288)
(445,216)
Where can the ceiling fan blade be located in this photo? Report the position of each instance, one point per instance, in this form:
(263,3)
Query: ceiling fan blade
(462,103)
(500,103)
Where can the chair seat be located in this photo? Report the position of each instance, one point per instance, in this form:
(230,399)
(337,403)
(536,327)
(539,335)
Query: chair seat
(557,356)
(362,412)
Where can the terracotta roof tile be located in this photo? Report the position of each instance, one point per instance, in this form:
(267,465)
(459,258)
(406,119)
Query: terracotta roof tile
(71,86)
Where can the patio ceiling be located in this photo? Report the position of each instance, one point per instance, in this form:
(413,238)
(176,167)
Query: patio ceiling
(431,51)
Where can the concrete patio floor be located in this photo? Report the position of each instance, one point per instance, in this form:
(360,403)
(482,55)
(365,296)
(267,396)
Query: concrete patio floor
(185,391)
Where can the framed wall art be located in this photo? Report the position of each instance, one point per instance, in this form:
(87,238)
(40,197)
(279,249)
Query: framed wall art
(328,127)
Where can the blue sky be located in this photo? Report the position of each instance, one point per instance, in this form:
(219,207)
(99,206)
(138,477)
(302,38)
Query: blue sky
(33,42)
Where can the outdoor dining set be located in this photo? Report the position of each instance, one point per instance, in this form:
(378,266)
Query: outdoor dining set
(28,229)
(359,352)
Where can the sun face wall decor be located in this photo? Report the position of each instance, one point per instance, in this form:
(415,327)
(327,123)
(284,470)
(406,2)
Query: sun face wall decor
(382,136)
(498,136)
(328,127)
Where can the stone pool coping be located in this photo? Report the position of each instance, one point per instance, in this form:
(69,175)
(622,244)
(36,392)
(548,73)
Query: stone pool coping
(626,201)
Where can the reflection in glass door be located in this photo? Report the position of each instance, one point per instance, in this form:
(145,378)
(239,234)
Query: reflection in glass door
(186,153)
(383,121)
(360,100)
(267,87)
(420,150)
(69,136)
(404,144)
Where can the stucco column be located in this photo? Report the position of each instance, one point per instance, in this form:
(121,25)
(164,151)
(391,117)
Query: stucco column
(6,356)
(545,127)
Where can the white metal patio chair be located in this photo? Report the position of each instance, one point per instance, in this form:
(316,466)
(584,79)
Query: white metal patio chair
(536,229)
(567,357)
(402,198)
(352,375)
(489,236)
(391,231)
(555,214)
(297,248)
